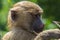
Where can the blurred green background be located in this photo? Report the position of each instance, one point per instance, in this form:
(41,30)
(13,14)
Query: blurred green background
(51,12)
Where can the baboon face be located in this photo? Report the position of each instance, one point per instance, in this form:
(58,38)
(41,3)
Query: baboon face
(26,15)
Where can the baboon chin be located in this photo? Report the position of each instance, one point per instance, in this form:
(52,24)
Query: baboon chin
(23,21)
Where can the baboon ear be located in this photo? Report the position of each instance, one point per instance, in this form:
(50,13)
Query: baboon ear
(13,15)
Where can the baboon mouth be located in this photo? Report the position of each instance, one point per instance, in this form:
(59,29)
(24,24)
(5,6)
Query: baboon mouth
(39,28)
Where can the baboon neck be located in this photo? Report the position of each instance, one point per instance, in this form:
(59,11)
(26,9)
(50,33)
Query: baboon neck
(24,34)
(24,30)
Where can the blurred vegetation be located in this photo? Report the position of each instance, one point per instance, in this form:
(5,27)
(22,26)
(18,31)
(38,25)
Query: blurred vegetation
(51,12)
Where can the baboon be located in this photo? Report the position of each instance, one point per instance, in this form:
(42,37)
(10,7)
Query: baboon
(24,21)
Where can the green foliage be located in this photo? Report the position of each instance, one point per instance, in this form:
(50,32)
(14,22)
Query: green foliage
(48,24)
(35,1)
(2,33)
(0,4)
(51,8)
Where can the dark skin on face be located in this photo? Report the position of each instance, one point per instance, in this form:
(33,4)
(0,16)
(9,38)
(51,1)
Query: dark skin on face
(37,24)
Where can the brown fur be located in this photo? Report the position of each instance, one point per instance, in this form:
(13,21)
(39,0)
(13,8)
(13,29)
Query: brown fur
(52,34)
(21,28)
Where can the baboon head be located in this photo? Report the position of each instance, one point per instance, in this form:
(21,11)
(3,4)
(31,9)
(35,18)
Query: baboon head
(26,15)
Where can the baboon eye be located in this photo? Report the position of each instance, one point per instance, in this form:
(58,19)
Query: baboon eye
(13,15)
(37,15)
